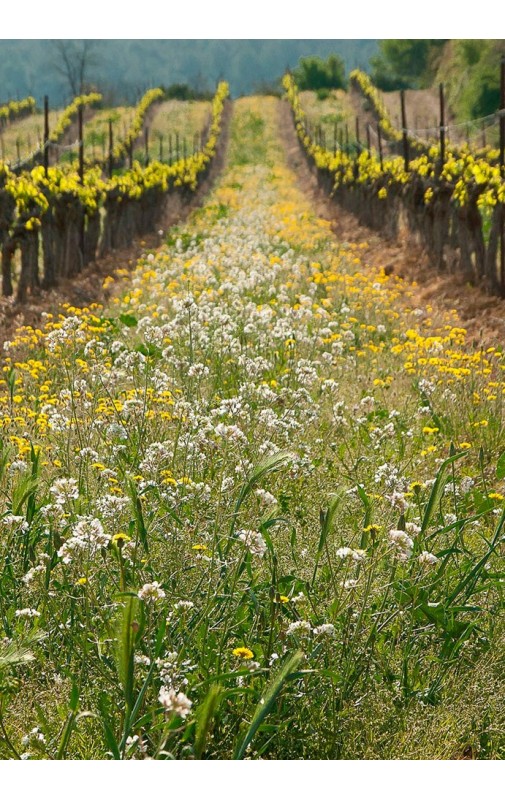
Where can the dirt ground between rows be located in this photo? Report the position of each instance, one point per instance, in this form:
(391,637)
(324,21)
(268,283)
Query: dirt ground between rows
(481,314)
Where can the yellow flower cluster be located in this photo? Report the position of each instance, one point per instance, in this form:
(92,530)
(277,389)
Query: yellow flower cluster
(11,110)
(372,95)
(71,110)
(150,97)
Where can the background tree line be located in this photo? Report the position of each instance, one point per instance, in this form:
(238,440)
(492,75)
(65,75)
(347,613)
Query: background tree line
(123,69)
(470,68)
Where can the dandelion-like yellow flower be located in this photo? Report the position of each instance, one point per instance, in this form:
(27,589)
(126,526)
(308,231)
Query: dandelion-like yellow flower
(243,652)
(120,539)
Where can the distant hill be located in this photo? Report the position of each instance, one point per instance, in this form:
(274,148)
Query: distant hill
(123,68)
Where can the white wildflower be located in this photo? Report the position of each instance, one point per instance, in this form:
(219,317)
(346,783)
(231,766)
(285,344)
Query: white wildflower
(184,605)
(427,558)
(27,612)
(18,466)
(254,542)
(466,484)
(64,489)
(176,702)
(87,536)
(348,552)
(301,627)
(327,629)
(403,544)
(151,592)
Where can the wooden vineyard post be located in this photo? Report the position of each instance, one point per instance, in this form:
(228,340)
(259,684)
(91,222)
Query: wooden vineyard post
(502,171)
(442,126)
(368,141)
(46,133)
(358,143)
(81,146)
(161,147)
(335,133)
(170,149)
(18,151)
(502,113)
(81,175)
(177,146)
(146,145)
(111,148)
(404,129)
(379,137)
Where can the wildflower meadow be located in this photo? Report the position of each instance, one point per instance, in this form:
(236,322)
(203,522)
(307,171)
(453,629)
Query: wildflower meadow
(252,506)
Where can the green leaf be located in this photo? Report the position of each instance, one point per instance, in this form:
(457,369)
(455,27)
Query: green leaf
(126,648)
(110,739)
(437,490)
(500,467)
(269,464)
(267,701)
(129,320)
(206,713)
(15,653)
(74,698)
(139,516)
(326,518)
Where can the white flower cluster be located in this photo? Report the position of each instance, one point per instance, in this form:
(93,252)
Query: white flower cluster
(254,542)
(348,553)
(64,490)
(175,702)
(303,628)
(151,592)
(88,537)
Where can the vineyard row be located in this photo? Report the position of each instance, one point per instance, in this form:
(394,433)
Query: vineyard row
(453,203)
(66,217)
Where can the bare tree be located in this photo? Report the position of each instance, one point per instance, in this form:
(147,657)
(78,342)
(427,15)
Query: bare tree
(73,61)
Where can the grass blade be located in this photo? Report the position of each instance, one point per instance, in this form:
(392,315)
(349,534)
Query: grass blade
(437,490)
(327,517)
(206,715)
(269,464)
(267,701)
